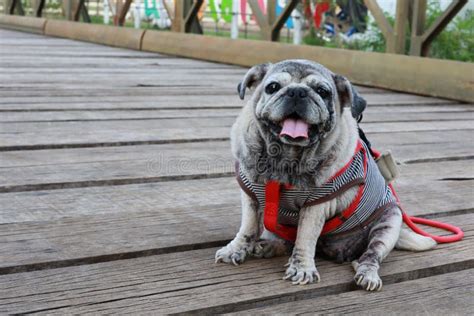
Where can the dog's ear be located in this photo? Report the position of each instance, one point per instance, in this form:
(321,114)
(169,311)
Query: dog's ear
(252,78)
(349,97)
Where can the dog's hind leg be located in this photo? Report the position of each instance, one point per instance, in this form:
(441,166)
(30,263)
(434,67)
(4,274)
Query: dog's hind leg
(382,239)
(270,245)
(237,250)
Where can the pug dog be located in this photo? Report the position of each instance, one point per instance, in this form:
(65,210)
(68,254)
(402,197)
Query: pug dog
(299,130)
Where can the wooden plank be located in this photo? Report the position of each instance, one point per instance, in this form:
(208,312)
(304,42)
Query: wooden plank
(104,34)
(54,116)
(58,227)
(167,102)
(166,96)
(86,133)
(103,57)
(373,114)
(97,166)
(26,24)
(445,294)
(423,196)
(159,283)
(44,135)
(404,73)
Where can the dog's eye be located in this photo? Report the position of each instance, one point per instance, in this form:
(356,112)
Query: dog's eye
(323,92)
(272,88)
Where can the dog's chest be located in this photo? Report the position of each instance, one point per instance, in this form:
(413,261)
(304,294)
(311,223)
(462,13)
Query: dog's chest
(292,199)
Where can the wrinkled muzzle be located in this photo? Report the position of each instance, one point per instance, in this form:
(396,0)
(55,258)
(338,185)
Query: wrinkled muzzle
(295,116)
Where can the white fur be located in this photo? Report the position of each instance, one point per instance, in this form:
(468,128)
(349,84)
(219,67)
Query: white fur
(412,241)
(238,249)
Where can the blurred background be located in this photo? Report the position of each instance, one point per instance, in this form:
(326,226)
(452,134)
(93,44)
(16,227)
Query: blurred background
(329,23)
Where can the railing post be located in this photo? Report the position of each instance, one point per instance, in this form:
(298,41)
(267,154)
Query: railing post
(281,19)
(185,16)
(271,25)
(440,23)
(123,12)
(401,20)
(383,24)
(271,11)
(38,8)
(68,5)
(11,5)
(417,26)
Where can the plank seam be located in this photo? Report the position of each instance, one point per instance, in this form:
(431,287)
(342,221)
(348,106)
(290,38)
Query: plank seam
(139,180)
(112,182)
(110,144)
(191,117)
(438,159)
(43,29)
(110,257)
(331,290)
(124,109)
(140,42)
(152,252)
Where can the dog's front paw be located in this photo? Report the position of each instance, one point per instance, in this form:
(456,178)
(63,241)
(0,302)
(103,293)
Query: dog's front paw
(230,254)
(367,277)
(301,273)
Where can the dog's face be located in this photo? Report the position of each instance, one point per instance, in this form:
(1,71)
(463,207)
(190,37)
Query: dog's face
(297,102)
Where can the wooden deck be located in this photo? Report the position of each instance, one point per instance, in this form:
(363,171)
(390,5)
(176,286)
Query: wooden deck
(116,189)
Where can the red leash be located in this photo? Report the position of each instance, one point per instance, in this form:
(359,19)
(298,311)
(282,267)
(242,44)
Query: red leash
(411,222)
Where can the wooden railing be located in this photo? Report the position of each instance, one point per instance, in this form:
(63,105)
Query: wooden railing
(185,20)
(428,76)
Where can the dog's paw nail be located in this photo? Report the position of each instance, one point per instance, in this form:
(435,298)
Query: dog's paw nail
(300,274)
(235,260)
(228,254)
(368,278)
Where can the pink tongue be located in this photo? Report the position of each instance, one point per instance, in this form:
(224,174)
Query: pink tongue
(294,128)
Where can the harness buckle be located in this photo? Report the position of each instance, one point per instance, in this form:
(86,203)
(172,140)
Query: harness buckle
(387,166)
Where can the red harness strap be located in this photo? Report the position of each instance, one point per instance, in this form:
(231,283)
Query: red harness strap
(270,214)
(272,202)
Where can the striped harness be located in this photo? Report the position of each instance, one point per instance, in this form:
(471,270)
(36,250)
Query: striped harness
(281,203)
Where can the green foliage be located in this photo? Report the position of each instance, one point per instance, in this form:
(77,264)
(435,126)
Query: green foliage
(455,42)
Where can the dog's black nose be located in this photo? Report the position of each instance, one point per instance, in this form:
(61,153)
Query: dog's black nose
(297,93)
